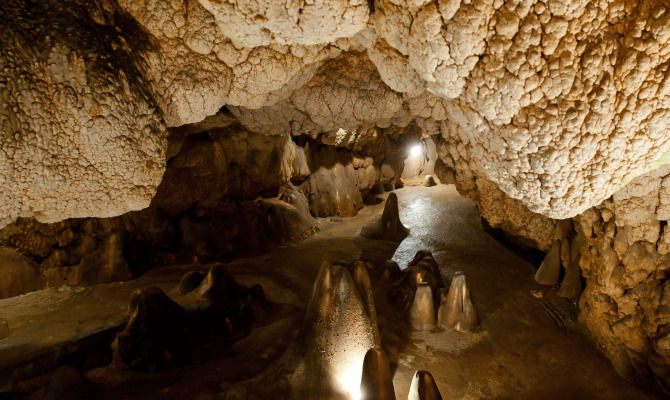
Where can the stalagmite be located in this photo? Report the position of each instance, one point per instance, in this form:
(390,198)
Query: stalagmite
(156,333)
(376,379)
(429,181)
(456,309)
(362,280)
(422,312)
(550,269)
(571,287)
(390,270)
(336,334)
(423,387)
(388,226)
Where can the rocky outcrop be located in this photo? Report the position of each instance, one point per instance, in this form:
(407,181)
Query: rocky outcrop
(624,260)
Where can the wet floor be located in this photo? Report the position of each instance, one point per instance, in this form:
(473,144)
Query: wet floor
(524,348)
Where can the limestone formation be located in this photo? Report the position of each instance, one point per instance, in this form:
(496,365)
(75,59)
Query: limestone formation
(376,379)
(422,311)
(18,274)
(390,270)
(550,270)
(156,334)
(422,269)
(423,387)
(161,332)
(456,308)
(79,134)
(387,226)
(429,181)
(190,281)
(336,334)
(571,286)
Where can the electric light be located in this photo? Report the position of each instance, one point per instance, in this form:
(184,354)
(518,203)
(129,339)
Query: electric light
(415,150)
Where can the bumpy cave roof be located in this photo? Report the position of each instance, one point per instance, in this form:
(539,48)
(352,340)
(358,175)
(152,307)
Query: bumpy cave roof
(557,102)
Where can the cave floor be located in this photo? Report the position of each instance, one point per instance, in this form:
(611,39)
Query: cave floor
(524,348)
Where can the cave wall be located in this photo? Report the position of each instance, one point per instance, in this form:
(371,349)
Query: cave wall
(622,250)
(226,192)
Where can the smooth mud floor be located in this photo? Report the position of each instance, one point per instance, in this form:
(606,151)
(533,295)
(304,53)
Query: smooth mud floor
(524,347)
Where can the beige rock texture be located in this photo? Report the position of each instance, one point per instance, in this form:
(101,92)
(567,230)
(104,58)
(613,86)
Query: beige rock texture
(625,262)
(79,135)
(558,103)
(540,111)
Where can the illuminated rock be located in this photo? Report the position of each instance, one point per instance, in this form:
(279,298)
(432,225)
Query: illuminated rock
(456,309)
(376,379)
(337,333)
(387,226)
(422,312)
(423,387)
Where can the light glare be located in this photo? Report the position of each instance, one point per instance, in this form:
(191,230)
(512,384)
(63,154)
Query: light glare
(415,150)
(351,383)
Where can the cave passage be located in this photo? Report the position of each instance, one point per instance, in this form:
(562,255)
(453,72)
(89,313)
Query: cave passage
(523,348)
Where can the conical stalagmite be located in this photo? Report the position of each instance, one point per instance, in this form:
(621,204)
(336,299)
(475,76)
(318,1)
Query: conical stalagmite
(422,312)
(456,310)
(376,379)
(362,280)
(550,270)
(337,333)
(390,270)
(423,387)
(571,287)
(388,225)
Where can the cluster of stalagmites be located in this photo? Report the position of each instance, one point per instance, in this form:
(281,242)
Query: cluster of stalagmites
(160,332)
(338,349)
(420,290)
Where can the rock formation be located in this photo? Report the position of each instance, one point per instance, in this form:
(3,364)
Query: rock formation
(422,311)
(161,332)
(423,387)
(376,379)
(550,270)
(388,225)
(456,308)
(338,331)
